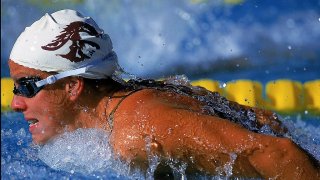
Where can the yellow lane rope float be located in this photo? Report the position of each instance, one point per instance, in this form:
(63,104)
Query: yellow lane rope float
(285,95)
(245,92)
(6,93)
(282,95)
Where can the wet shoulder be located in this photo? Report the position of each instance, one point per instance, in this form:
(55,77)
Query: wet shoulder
(149,99)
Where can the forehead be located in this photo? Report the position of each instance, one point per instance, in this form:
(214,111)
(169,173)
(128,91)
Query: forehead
(17,71)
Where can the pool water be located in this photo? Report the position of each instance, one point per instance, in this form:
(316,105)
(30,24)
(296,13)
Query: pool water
(192,37)
(21,159)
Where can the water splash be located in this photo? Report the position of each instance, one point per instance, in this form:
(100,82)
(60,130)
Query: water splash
(84,151)
(178,80)
(226,171)
(186,37)
(304,134)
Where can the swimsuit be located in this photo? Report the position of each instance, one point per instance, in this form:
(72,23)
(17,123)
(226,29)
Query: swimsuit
(213,103)
(111,116)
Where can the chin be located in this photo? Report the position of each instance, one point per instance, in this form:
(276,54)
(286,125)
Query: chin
(39,140)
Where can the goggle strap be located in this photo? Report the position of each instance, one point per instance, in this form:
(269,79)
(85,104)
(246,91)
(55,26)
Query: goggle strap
(53,78)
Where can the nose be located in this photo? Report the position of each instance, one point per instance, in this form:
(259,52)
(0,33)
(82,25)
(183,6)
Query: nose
(18,103)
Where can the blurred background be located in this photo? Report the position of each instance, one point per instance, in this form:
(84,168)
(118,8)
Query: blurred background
(217,39)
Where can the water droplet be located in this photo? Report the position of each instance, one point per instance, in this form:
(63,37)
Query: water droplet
(224,85)
(21,133)
(9,132)
(19,142)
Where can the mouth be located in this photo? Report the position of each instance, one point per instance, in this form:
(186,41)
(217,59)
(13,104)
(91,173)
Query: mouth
(32,122)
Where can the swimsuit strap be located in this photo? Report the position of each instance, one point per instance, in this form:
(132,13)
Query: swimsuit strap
(111,116)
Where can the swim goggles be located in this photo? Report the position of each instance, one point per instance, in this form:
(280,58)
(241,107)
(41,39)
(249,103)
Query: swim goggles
(30,86)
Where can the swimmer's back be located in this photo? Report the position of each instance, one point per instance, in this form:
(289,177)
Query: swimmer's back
(149,99)
(139,112)
(153,122)
(165,118)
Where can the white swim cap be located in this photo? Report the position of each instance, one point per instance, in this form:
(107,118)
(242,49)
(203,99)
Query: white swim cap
(64,42)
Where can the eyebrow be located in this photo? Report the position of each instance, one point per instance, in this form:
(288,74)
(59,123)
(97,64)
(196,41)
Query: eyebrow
(16,77)
(25,74)
(21,75)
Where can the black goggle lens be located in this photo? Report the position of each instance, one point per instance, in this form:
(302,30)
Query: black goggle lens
(27,87)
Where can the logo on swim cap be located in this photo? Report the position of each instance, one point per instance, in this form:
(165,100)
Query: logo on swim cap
(79,49)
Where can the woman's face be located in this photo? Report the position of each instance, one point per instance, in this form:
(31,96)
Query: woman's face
(49,112)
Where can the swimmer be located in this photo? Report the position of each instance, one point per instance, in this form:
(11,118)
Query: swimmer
(66,77)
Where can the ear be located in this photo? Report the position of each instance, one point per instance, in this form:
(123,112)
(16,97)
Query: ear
(74,87)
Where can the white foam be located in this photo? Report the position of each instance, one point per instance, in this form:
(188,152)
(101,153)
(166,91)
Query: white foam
(165,34)
(304,134)
(84,151)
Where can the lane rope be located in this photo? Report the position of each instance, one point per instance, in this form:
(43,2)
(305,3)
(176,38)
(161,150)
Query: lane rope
(281,95)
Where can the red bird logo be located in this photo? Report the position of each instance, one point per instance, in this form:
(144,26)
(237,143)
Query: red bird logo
(72,33)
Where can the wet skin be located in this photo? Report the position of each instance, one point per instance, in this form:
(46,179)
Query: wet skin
(45,107)
(56,107)
(171,124)
(204,142)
